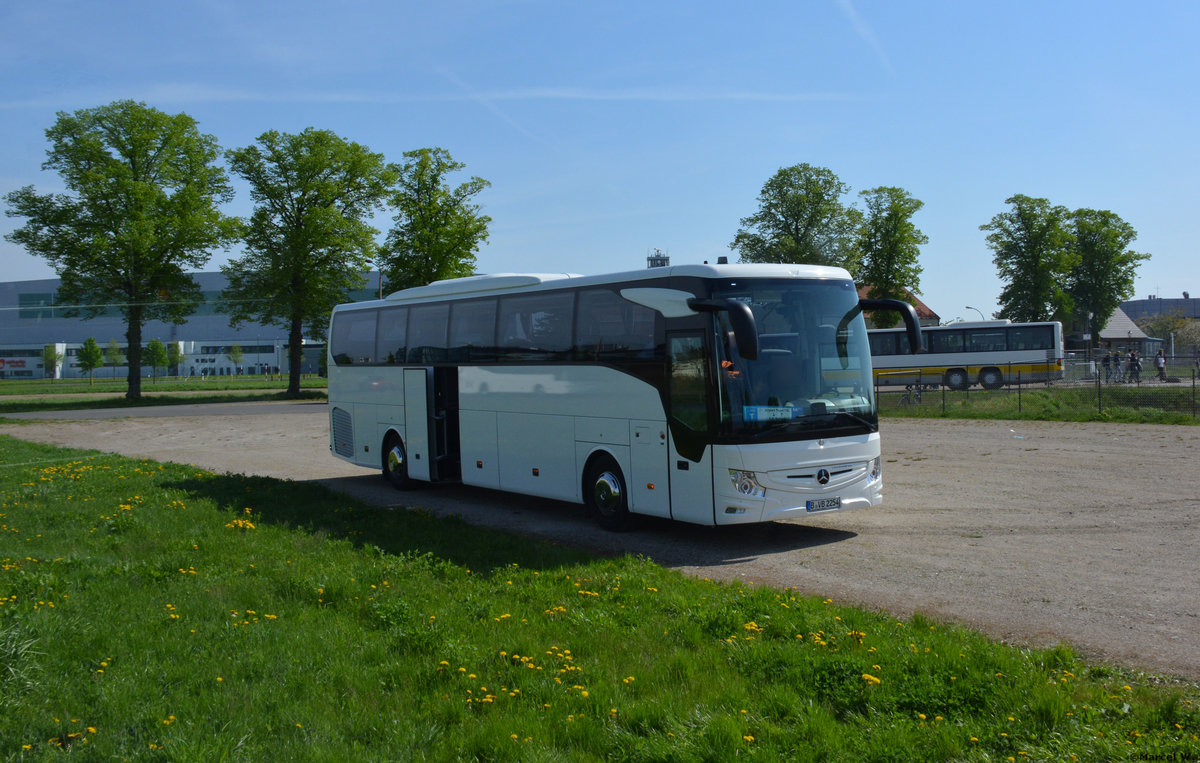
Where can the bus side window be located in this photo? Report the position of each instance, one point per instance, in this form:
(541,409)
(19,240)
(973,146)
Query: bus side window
(945,341)
(427,326)
(390,344)
(473,331)
(1031,338)
(986,340)
(536,327)
(352,338)
(609,327)
(883,344)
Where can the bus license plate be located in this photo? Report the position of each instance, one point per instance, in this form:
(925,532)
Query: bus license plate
(825,504)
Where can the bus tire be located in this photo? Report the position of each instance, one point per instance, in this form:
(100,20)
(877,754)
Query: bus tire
(605,494)
(395,462)
(956,379)
(991,378)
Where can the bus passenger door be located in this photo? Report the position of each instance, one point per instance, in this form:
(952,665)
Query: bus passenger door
(417,394)
(690,453)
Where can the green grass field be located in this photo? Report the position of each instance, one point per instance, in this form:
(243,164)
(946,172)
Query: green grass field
(161,612)
(63,395)
(1149,404)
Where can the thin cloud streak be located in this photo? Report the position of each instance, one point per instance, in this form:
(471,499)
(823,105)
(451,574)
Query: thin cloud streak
(188,94)
(865,32)
(487,103)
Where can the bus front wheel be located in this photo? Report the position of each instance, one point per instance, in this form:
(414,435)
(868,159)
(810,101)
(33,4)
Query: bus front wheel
(605,495)
(395,462)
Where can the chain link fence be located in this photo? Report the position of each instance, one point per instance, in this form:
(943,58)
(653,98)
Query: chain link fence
(1087,391)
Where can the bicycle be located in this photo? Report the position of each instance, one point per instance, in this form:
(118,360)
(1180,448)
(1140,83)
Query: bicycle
(912,395)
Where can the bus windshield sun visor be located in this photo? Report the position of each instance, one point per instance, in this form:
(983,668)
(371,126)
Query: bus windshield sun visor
(907,312)
(745,332)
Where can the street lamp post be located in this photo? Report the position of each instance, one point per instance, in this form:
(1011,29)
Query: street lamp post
(976,309)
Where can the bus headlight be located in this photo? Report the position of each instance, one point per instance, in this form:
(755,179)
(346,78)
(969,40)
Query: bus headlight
(746,483)
(876,469)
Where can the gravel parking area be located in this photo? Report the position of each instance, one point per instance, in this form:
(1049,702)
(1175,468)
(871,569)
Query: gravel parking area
(1033,532)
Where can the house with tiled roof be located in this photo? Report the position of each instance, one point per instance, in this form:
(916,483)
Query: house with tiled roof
(925,316)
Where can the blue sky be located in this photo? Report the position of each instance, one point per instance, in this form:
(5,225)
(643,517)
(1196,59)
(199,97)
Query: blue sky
(609,129)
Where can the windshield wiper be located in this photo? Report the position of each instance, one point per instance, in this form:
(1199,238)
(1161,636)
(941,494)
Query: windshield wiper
(856,418)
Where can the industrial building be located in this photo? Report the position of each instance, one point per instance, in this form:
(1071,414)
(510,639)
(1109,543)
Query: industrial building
(31,317)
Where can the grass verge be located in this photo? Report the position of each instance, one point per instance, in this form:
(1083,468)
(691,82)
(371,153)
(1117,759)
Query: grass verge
(156,611)
(73,404)
(48,387)
(1130,405)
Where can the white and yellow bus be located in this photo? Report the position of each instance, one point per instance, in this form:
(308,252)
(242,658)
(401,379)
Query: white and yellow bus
(959,355)
(713,394)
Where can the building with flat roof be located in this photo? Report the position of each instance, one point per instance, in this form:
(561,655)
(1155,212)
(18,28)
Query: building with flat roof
(31,318)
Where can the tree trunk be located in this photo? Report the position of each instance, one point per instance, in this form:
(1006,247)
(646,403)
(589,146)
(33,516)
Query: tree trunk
(295,356)
(133,337)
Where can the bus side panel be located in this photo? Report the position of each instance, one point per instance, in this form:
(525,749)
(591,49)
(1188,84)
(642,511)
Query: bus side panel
(535,454)
(416,419)
(649,488)
(692,487)
(480,448)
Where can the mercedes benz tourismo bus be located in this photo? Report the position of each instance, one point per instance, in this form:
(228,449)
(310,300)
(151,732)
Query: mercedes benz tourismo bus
(709,394)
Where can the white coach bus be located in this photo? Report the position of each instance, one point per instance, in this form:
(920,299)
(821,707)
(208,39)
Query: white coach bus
(988,353)
(709,394)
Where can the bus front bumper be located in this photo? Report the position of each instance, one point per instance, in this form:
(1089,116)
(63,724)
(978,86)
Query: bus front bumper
(806,484)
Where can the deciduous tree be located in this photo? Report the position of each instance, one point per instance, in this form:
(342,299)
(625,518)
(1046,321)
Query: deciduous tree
(1103,276)
(156,358)
(141,210)
(891,246)
(438,229)
(51,358)
(308,241)
(1034,252)
(89,358)
(175,357)
(801,219)
(113,356)
(236,356)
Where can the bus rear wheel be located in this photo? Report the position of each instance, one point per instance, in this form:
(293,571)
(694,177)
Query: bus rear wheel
(991,378)
(395,463)
(956,378)
(605,495)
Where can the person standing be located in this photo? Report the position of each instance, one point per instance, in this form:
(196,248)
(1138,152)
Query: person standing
(1107,363)
(1160,362)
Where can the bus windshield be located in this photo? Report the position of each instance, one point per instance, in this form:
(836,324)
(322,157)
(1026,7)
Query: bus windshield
(812,376)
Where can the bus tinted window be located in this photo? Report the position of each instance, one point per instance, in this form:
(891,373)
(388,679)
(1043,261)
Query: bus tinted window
(427,333)
(985,340)
(473,330)
(390,346)
(352,338)
(1031,338)
(944,341)
(536,326)
(611,327)
(884,344)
